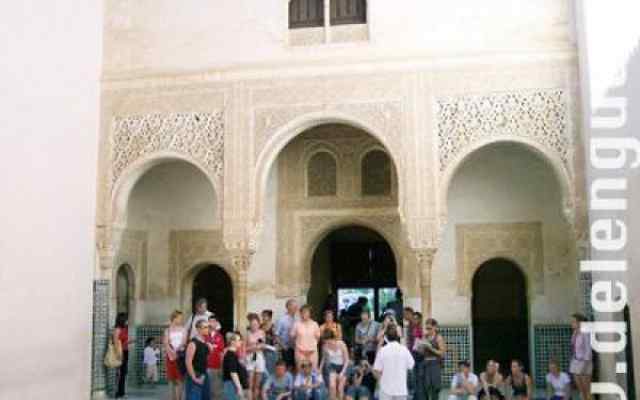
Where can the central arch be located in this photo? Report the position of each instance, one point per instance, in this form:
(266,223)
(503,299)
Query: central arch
(352,261)
(500,315)
(287,132)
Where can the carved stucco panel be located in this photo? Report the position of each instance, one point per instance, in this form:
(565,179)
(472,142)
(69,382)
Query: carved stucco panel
(520,243)
(191,247)
(384,117)
(132,250)
(199,136)
(539,115)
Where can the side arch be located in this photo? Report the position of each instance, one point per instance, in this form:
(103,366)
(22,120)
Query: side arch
(564,177)
(190,273)
(121,191)
(132,289)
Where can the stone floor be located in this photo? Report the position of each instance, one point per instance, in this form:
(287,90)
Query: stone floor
(160,392)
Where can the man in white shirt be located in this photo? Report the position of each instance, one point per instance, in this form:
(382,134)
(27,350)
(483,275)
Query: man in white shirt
(202,314)
(392,365)
(464,384)
(150,361)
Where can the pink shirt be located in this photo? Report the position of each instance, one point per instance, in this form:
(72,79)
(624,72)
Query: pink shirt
(307,334)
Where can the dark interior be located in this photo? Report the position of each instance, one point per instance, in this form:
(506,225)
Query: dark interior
(500,315)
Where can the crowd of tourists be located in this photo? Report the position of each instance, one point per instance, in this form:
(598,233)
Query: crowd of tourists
(346,358)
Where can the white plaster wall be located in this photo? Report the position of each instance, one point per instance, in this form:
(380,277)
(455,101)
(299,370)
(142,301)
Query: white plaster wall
(51,57)
(501,184)
(170,196)
(166,35)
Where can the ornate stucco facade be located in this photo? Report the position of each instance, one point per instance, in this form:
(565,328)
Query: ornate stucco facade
(199,124)
(250,128)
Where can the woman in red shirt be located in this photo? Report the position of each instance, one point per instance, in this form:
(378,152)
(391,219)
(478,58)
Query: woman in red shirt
(121,335)
(215,341)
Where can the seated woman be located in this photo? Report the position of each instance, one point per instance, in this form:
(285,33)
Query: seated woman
(335,360)
(558,383)
(464,384)
(308,384)
(491,383)
(357,375)
(279,386)
(519,382)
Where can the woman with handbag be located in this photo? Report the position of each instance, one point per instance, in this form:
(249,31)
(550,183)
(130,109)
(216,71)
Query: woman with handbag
(175,339)
(121,339)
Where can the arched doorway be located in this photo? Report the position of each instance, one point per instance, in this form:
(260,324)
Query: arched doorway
(125,291)
(214,284)
(631,386)
(500,315)
(352,262)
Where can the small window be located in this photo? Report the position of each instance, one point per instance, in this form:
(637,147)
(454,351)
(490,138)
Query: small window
(344,12)
(322,174)
(306,13)
(376,174)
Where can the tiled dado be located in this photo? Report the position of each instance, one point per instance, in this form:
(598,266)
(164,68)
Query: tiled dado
(550,341)
(458,340)
(586,281)
(143,332)
(101,294)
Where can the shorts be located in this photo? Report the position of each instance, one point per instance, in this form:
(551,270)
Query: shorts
(358,392)
(256,362)
(288,355)
(151,373)
(581,367)
(334,368)
(173,373)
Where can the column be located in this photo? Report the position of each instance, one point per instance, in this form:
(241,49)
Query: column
(424,259)
(241,263)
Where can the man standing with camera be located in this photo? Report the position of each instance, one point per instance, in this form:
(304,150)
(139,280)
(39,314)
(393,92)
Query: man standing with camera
(392,364)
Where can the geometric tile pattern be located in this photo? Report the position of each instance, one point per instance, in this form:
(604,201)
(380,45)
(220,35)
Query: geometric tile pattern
(458,340)
(144,332)
(586,281)
(100,328)
(550,341)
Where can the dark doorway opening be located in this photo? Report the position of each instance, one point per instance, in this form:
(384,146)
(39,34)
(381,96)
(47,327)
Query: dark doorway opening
(350,262)
(124,291)
(631,385)
(500,315)
(214,284)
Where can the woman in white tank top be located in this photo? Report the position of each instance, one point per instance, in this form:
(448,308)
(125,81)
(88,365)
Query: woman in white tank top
(174,341)
(335,360)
